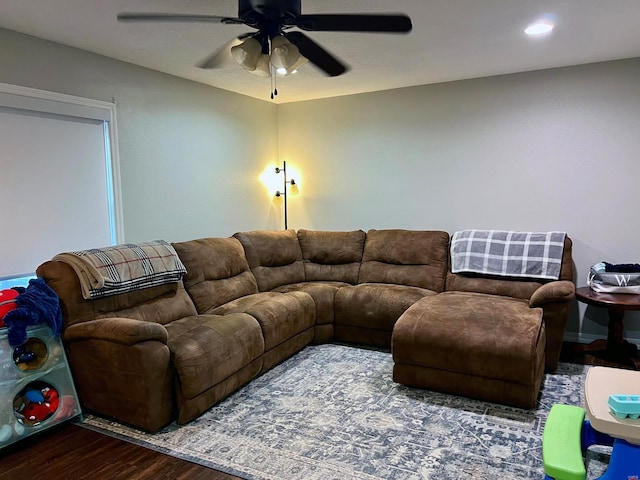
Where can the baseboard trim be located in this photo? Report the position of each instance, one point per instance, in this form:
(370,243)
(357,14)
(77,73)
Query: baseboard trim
(588,338)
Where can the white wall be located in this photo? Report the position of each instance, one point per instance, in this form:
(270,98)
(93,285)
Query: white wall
(555,149)
(548,150)
(190,155)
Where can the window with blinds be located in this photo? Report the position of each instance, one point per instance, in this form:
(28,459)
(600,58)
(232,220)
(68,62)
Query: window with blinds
(59,185)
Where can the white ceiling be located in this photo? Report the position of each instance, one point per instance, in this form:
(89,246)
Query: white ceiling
(451,40)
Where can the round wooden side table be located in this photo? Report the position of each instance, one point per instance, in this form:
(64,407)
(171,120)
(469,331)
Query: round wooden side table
(615,348)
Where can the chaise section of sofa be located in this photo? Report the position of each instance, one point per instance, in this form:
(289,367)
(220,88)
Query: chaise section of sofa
(478,345)
(399,267)
(554,297)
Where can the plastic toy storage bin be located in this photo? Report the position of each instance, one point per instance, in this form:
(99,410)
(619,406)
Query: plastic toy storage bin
(36,388)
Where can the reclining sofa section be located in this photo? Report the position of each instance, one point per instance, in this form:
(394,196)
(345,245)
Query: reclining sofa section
(250,301)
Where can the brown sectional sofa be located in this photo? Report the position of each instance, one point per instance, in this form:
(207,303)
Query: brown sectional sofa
(250,301)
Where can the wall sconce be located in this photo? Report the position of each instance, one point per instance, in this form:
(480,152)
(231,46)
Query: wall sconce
(293,190)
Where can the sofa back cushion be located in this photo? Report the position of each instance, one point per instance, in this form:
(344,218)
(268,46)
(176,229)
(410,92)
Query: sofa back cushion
(516,287)
(416,258)
(217,271)
(274,257)
(331,256)
(162,304)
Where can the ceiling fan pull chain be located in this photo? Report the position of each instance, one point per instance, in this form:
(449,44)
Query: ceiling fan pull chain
(271,80)
(273,94)
(272,74)
(275,81)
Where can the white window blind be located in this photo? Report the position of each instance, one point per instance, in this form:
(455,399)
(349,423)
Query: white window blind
(58,179)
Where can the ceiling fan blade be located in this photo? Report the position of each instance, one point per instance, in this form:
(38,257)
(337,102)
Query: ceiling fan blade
(316,54)
(222,54)
(389,23)
(174,17)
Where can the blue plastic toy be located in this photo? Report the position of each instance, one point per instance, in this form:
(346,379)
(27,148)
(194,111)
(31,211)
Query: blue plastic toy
(623,406)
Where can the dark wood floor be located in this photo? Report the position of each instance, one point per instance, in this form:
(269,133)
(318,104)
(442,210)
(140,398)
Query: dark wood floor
(574,353)
(71,452)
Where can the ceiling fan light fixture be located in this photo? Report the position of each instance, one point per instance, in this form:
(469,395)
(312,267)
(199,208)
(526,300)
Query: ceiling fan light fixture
(270,49)
(284,54)
(247,54)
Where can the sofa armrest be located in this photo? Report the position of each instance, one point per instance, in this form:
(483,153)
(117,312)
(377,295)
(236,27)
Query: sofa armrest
(125,331)
(558,291)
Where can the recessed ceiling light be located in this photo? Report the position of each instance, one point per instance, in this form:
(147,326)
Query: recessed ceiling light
(541,27)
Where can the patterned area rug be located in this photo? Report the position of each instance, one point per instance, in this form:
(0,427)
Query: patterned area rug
(333,412)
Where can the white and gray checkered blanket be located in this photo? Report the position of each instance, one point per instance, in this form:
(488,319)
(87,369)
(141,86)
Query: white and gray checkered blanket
(506,253)
(123,268)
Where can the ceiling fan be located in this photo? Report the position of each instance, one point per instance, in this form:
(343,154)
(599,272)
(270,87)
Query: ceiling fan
(273,43)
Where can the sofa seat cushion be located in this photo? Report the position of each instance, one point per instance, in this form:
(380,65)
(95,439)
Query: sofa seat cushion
(482,346)
(207,349)
(323,294)
(241,304)
(280,315)
(375,305)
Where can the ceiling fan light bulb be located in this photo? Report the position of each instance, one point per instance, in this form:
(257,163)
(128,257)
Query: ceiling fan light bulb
(284,54)
(293,68)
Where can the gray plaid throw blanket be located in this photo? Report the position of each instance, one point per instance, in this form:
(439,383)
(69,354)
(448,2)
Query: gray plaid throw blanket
(123,268)
(510,254)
